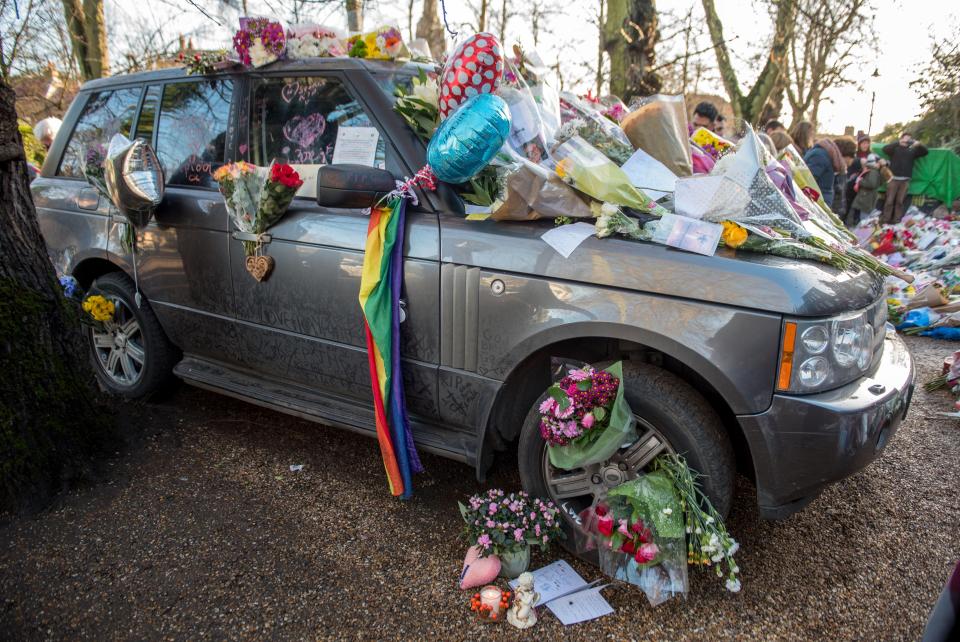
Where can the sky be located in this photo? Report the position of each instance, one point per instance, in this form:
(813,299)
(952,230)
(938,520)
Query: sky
(904,31)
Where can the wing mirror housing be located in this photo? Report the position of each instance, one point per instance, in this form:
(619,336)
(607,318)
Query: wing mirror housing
(352,186)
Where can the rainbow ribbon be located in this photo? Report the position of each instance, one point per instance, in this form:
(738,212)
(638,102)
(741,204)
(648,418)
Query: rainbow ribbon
(380,286)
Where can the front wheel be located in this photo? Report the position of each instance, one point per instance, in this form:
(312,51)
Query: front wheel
(671,418)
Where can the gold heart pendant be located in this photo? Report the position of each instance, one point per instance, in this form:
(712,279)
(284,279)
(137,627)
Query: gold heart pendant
(260,266)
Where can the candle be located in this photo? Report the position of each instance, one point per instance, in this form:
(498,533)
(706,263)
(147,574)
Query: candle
(490,596)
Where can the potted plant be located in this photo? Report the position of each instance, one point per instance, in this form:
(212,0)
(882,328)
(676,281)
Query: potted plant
(507,525)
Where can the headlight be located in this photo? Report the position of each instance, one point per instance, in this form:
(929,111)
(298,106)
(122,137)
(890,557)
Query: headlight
(821,354)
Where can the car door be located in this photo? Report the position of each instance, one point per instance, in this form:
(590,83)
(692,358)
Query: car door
(74,218)
(183,255)
(303,323)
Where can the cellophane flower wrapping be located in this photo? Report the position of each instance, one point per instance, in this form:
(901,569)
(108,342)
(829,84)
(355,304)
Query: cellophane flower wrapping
(256,197)
(598,130)
(528,136)
(594,424)
(639,534)
(385,43)
(280,186)
(658,125)
(532,192)
(541,80)
(584,168)
(92,166)
(710,143)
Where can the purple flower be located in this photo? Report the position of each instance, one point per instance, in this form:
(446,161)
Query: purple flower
(484,541)
(491,523)
(492,508)
(518,534)
(547,405)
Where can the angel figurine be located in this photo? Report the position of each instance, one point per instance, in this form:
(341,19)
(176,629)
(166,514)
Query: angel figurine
(522,614)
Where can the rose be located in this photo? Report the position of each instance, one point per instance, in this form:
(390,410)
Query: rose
(646,553)
(605,526)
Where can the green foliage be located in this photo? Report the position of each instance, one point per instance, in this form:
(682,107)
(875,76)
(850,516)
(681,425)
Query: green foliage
(35,151)
(485,187)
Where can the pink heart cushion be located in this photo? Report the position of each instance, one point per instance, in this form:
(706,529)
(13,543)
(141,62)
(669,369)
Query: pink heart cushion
(477,570)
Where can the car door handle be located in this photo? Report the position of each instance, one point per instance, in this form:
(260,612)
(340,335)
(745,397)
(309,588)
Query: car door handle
(88,199)
(403,310)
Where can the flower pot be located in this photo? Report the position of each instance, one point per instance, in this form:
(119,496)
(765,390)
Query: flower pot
(514,562)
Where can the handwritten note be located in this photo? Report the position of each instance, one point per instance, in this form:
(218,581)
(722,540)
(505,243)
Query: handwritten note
(581,606)
(649,174)
(555,580)
(688,234)
(567,238)
(356,145)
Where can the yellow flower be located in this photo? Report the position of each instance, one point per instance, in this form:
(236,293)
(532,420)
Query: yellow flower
(733,235)
(98,307)
(564,167)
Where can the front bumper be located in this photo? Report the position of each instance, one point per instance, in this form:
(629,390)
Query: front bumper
(802,443)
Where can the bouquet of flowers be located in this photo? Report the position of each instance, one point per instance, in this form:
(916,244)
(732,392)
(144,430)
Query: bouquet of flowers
(712,144)
(99,308)
(585,417)
(203,62)
(92,166)
(420,106)
(257,198)
(259,41)
(708,541)
(594,128)
(584,168)
(314,41)
(386,43)
(496,522)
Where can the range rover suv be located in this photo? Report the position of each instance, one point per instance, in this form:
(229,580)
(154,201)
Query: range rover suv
(783,370)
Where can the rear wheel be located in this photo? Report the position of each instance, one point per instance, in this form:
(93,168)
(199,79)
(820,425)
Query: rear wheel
(131,354)
(671,418)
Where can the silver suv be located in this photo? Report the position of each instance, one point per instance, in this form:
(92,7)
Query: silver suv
(783,370)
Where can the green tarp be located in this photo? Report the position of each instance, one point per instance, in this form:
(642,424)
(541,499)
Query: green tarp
(936,175)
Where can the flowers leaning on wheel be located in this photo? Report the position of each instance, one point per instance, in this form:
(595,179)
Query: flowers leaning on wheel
(498,523)
(585,418)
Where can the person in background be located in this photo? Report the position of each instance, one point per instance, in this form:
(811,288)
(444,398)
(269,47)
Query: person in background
(865,186)
(704,115)
(773,125)
(856,168)
(768,143)
(903,154)
(848,152)
(781,139)
(825,162)
(46,130)
(802,135)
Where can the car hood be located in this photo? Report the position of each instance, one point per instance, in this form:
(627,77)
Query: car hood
(742,279)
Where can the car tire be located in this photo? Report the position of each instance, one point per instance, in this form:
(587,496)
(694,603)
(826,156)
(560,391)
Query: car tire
(666,408)
(144,348)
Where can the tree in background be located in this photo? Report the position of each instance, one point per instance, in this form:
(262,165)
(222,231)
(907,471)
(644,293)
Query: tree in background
(354,14)
(430,29)
(49,422)
(88,37)
(939,90)
(629,35)
(750,106)
(822,48)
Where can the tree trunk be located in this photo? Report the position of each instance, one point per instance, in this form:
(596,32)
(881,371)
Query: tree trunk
(354,15)
(504,17)
(774,106)
(601,23)
(750,106)
(88,37)
(431,29)
(48,419)
(482,18)
(630,33)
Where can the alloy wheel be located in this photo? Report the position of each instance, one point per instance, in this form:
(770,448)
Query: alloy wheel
(118,346)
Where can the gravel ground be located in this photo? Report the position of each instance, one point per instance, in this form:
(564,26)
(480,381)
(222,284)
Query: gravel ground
(200,530)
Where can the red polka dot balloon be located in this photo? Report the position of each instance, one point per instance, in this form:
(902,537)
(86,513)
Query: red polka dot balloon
(475,67)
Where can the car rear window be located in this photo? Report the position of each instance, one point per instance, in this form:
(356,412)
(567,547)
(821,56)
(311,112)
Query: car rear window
(192,131)
(105,114)
(310,122)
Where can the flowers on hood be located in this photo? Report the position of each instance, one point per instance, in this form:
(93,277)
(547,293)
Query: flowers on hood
(733,235)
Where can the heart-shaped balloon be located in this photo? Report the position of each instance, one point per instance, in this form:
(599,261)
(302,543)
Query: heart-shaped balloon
(475,67)
(477,570)
(464,143)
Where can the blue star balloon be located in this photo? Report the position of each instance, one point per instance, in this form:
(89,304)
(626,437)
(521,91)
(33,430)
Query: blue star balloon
(467,140)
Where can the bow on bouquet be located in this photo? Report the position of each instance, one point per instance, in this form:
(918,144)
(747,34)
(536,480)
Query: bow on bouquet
(256,198)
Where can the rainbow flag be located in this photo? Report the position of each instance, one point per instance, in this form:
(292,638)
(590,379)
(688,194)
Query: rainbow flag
(380,286)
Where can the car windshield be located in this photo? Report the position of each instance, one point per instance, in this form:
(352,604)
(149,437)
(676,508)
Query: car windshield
(401,77)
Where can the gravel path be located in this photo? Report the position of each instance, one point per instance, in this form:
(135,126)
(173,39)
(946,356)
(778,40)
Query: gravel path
(200,530)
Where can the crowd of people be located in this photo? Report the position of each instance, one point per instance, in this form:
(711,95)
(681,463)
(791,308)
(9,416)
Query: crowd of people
(847,171)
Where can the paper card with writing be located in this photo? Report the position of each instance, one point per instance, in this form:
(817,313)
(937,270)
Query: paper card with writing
(688,234)
(553,580)
(356,145)
(580,607)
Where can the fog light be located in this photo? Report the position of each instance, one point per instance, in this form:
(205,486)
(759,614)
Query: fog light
(813,372)
(815,339)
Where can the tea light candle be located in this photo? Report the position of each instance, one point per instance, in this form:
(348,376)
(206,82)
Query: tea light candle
(490,596)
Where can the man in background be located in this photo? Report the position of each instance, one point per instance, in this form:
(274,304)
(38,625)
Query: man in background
(773,125)
(902,155)
(704,115)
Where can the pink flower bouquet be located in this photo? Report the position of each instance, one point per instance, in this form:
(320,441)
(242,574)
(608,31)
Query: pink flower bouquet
(498,523)
(259,41)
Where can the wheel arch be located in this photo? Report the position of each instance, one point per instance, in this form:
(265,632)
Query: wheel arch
(89,269)
(529,375)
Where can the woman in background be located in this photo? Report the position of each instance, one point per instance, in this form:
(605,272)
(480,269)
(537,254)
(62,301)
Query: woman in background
(802,135)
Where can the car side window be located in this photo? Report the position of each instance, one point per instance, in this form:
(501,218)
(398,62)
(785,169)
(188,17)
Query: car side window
(105,114)
(148,113)
(192,130)
(309,122)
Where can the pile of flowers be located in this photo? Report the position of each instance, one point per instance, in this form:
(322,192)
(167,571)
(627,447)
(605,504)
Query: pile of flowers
(386,43)
(496,522)
(259,41)
(577,404)
(100,308)
(314,42)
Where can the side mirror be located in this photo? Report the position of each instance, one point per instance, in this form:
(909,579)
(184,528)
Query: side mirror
(134,179)
(352,186)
